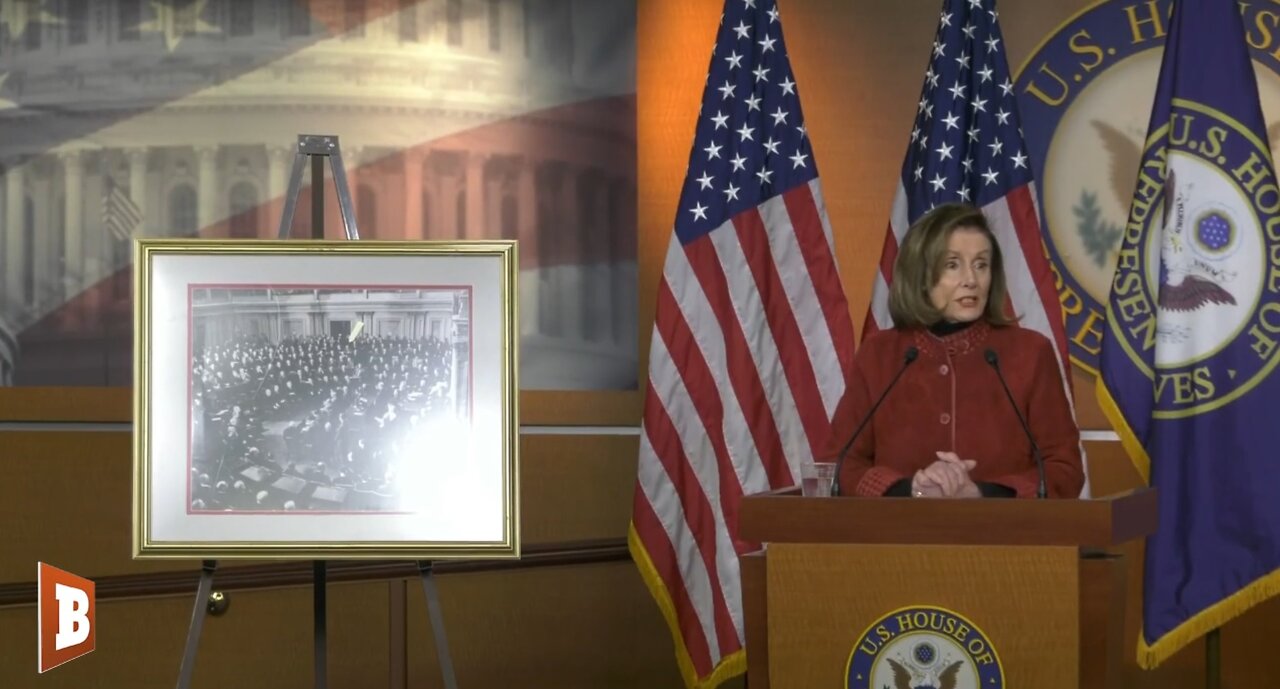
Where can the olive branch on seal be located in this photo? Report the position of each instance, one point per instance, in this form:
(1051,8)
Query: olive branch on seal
(1099,236)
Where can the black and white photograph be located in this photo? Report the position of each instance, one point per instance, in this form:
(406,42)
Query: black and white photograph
(316,398)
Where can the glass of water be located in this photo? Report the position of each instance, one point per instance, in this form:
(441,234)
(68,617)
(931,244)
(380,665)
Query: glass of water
(816,478)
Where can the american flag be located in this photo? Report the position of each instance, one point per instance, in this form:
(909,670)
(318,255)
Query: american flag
(967,146)
(750,345)
(120,214)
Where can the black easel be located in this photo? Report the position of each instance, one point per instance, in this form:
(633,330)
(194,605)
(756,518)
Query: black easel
(317,148)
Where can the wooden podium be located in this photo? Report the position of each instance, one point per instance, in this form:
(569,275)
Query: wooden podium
(1034,588)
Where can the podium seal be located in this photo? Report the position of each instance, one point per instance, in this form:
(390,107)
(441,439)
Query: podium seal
(924,647)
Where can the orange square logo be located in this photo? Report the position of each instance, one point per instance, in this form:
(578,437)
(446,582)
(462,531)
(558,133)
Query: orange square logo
(64,616)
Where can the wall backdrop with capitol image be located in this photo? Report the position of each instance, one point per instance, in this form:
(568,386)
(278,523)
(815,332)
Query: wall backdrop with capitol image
(283,414)
(458,120)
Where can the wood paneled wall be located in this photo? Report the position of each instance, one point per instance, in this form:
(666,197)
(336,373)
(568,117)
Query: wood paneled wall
(65,497)
(65,500)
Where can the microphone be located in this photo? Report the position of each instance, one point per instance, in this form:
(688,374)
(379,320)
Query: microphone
(907,357)
(994,361)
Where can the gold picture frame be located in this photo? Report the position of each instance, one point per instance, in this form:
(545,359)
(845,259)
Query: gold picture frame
(325,399)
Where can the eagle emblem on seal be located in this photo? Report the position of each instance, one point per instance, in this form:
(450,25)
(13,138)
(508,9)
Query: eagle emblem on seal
(908,675)
(1189,282)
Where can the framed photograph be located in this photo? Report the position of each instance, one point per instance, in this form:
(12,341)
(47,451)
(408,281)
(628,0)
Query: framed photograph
(325,400)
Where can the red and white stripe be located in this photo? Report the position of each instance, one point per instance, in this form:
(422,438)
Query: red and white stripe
(1015,221)
(751,345)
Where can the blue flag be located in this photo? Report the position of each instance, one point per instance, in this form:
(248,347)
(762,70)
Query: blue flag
(1187,365)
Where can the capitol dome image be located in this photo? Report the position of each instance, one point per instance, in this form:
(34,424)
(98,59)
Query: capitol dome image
(458,120)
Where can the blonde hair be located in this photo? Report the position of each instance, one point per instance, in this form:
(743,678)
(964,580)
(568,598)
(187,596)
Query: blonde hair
(920,260)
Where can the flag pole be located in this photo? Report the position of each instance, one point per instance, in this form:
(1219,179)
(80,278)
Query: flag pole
(1213,659)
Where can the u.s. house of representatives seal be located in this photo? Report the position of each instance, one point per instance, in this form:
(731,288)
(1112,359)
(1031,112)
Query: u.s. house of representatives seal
(924,647)
(1085,97)
(1201,247)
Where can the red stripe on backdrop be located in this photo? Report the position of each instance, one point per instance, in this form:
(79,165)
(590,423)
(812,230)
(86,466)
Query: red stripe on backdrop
(658,546)
(87,340)
(701,385)
(697,510)
(743,374)
(338,19)
(823,272)
(793,352)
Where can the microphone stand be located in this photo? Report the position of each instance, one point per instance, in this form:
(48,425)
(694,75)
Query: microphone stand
(907,357)
(1041,490)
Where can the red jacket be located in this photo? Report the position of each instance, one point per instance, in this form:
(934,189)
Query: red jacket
(949,399)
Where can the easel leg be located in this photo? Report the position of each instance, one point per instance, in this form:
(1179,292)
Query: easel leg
(318,598)
(437,624)
(197,623)
(344,195)
(317,197)
(291,196)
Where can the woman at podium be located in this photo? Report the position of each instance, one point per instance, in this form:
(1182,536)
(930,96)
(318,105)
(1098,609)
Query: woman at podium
(947,427)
